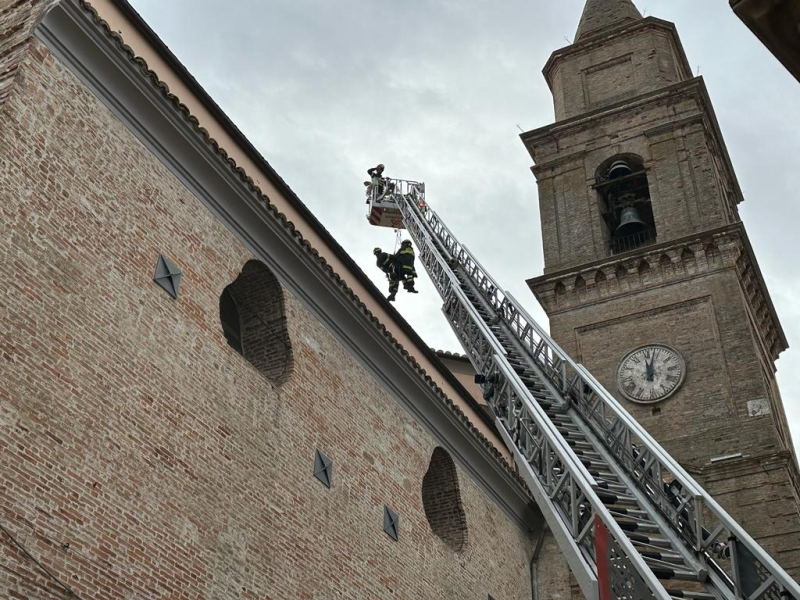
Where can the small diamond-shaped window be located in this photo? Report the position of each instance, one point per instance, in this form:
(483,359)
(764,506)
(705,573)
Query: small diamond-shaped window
(167,276)
(323,469)
(391,523)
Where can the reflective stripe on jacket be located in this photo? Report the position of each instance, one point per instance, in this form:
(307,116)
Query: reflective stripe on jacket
(405,258)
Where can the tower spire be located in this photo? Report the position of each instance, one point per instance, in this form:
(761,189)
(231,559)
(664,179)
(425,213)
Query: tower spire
(599,14)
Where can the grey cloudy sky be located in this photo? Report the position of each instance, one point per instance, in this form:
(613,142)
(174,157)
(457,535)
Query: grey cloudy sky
(436,90)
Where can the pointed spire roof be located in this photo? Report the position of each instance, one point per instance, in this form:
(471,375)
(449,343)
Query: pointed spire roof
(600,14)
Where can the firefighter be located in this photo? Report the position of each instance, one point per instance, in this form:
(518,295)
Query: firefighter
(387,263)
(404,260)
(378,185)
(376,172)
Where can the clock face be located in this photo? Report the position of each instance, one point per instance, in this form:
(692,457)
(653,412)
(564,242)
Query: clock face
(650,374)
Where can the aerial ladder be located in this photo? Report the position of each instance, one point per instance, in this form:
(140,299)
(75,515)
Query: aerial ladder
(631,522)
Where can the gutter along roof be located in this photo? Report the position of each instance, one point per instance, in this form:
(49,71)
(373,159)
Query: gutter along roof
(302,210)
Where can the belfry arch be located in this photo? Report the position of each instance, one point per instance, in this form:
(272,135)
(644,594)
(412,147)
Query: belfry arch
(624,196)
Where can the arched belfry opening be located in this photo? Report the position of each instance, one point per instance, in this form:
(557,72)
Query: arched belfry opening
(253,317)
(624,192)
(441,499)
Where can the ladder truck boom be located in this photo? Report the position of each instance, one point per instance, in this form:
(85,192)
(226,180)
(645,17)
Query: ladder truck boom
(631,522)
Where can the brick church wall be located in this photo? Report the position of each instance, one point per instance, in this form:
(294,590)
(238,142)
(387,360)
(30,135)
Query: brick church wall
(140,455)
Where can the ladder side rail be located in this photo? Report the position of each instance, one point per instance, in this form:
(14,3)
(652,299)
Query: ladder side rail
(689,504)
(525,419)
(532,439)
(497,297)
(732,530)
(684,506)
(539,416)
(449,287)
(615,425)
(598,509)
(693,502)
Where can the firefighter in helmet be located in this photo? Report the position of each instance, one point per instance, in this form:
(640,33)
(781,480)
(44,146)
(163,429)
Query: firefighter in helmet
(377,184)
(386,263)
(404,260)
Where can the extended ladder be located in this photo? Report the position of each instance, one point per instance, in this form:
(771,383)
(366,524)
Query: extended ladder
(630,521)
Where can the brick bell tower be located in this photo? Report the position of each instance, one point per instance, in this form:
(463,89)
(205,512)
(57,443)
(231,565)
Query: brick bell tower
(650,280)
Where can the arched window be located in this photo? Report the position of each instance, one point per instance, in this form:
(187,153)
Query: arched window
(625,203)
(441,499)
(253,318)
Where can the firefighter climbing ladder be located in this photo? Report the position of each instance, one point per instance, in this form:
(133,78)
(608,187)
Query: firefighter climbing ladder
(631,522)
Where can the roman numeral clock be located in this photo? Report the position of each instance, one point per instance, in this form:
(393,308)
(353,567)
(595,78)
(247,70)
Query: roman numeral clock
(651,374)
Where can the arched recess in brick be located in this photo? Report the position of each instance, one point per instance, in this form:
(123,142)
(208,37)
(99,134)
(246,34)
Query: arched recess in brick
(441,499)
(253,319)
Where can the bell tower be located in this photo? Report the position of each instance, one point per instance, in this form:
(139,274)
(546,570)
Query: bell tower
(649,279)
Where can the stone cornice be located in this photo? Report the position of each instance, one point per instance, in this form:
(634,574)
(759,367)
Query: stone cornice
(566,159)
(693,88)
(568,126)
(725,248)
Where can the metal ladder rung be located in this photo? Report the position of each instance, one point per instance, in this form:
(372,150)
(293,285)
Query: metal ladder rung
(686,594)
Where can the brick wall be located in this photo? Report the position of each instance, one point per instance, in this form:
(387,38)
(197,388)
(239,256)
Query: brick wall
(17,19)
(589,76)
(140,455)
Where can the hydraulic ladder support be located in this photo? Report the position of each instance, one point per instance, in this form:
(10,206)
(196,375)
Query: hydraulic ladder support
(631,522)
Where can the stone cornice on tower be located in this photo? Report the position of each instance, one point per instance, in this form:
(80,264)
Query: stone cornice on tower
(666,264)
(547,148)
(602,14)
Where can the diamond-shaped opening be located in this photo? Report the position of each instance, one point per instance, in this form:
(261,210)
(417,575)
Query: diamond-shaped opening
(391,523)
(323,469)
(167,275)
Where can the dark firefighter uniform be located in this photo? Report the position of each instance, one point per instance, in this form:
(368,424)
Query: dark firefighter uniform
(386,263)
(405,266)
(398,267)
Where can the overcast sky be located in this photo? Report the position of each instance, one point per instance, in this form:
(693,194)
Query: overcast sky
(438,91)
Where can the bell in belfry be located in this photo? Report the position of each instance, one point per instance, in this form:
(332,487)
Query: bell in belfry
(630,222)
(619,169)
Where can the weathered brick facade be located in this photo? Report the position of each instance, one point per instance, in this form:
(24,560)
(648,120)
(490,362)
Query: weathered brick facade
(626,91)
(140,455)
